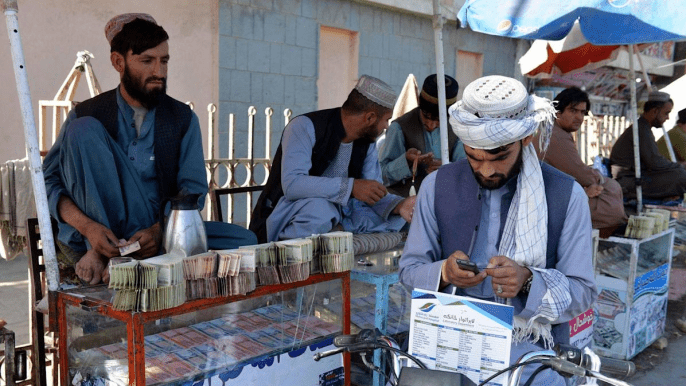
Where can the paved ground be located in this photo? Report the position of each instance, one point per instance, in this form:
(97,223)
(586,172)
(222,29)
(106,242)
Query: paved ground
(14,297)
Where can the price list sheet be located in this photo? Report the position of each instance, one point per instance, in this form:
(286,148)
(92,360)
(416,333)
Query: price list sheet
(460,334)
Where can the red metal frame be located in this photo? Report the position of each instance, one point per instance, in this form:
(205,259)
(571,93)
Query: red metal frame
(135,321)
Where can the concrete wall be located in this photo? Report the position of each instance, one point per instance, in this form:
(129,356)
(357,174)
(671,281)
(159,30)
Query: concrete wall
(54,31)
(268,54)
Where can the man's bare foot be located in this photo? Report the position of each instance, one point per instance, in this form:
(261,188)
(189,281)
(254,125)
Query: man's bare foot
(91,266)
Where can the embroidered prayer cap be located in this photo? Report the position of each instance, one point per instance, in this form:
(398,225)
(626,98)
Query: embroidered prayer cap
(430,90)
(658,96)
(117,23)
(376,91)
(496,111)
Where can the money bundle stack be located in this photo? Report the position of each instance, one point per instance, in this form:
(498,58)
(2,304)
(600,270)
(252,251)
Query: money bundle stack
(265,263)
(239,275)
(148,285)
(200,274)
(293,259)
(337,251)
(662,217)
(639,227)
(375,242)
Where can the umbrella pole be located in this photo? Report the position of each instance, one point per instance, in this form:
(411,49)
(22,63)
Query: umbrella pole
(634,118)
(10,10)
(440,80)
(670,149)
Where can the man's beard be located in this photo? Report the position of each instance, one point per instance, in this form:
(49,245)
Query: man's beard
(371,132)
(136,89)
(502,178)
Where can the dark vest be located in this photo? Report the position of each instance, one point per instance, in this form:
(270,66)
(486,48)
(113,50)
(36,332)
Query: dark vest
(172,119)
(329,132)
(413,132)
(458,197)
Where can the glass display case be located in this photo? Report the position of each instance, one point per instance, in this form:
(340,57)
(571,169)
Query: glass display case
(207,339)
(632,276)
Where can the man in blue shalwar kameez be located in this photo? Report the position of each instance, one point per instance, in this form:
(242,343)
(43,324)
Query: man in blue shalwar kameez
(526,225)
(326,172)
(120,155)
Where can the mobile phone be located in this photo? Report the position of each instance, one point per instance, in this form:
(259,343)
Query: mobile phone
(467,265)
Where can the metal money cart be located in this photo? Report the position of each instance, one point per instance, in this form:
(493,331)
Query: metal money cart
(632,276)
(205,339)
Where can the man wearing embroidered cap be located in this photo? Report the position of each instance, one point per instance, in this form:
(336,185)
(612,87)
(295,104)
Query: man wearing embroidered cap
(660,177)
(414,136)
(525,225)
(326,172)
(122,154)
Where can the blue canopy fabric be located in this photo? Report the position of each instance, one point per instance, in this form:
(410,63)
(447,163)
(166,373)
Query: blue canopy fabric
(603,22)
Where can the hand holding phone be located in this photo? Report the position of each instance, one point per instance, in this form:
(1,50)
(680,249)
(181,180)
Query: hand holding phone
(467,265)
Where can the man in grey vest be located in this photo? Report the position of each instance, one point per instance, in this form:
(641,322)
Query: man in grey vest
(122,154)
(525,225)
(415,136)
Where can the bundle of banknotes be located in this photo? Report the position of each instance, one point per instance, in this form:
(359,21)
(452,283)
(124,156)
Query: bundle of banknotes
(337,254)
(265,263)
(293,259)
(152,284)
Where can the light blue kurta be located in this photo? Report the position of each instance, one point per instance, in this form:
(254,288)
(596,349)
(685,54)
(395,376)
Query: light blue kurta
(313,205)
(115,182)
(394,166)
(420,265)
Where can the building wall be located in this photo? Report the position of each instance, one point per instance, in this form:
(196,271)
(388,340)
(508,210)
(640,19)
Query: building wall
(268,54)
(52,32)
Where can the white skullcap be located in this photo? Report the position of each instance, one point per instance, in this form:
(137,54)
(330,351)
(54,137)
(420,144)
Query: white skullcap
(376,91)
(496,111)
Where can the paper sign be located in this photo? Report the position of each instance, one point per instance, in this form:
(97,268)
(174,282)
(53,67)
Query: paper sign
(461,334)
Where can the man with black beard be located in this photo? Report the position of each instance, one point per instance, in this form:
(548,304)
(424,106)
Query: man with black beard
(326,172)
(525,225)
(122,154)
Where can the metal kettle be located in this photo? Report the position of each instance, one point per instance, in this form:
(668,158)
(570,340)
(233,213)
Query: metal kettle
(185,230)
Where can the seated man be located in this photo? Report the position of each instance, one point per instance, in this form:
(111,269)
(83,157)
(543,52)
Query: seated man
(660,177)
(122,154)
(525,224)
(604,194)
(326,172)
(678,138)
(415,135)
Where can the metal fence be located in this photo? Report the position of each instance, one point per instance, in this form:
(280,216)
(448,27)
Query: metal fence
(598,134)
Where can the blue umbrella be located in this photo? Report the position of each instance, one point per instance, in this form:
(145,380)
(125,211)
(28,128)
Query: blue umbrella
(602,22)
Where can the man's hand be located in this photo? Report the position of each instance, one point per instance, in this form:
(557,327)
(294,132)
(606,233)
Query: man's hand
(593,190)
(102,239)
(413,153)
(506,275)
(92,268)
(433,165)
(405,208)
(451,273)
(368,191)
(149,239)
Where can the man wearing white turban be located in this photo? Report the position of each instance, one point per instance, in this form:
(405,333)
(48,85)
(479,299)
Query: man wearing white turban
(526,225)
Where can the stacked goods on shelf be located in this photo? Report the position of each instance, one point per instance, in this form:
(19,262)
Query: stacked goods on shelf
(293,259)
(265,263)
(650,223)
(200,272)
(337,252)
(238,269)
(316,263)
(148,285)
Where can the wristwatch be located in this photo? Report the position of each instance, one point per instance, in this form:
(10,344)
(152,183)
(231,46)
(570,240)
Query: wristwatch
(526,287)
